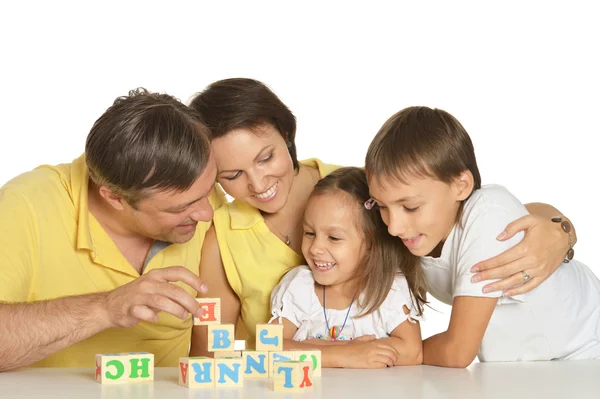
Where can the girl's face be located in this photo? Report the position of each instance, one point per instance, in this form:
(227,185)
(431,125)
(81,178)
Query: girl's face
(255,167)
(332,243)
(422,213)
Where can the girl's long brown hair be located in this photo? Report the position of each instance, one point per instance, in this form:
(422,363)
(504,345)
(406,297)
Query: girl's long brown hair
(385,255)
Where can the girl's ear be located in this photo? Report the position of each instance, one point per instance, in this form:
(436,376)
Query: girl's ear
(463,185)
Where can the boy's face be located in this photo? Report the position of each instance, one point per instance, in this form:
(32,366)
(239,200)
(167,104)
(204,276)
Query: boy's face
(422,213)
(332,244)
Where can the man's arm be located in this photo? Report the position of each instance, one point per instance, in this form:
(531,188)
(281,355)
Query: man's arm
(30,332)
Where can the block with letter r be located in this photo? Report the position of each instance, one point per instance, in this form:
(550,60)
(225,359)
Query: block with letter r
(196,372)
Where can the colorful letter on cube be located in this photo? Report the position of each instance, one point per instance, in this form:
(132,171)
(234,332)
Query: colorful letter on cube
(220,337)
(282,356)
(141,366)
(229,372)
(112,368)
(292,376)
(313,357)
(197,372)
(256,364)
(269,337)
(212,311)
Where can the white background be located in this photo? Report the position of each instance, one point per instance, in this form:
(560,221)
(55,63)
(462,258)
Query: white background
(522,77)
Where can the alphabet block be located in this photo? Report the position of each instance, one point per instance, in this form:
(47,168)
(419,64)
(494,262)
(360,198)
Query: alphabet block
(112,368)
(197,372)
(229,372)
(212,311)
(141,366)
(311,356)
(269,337)
(256,364)
(292,376)
(220,337)
(281,356)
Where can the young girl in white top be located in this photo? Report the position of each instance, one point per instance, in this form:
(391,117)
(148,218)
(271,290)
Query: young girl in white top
(423,177)
(350,301)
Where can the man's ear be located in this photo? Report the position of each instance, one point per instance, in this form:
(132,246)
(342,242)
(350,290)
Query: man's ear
(114,200)
(463,185)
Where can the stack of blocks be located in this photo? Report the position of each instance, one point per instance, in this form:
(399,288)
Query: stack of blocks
(291,370)
(114,368)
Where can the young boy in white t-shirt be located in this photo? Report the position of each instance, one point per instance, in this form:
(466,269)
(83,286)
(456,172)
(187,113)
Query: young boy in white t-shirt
(424,179)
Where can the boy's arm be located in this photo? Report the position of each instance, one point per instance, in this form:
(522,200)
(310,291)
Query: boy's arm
(458,346)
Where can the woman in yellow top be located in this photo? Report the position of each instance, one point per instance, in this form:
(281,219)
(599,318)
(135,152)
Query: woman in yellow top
(256,238)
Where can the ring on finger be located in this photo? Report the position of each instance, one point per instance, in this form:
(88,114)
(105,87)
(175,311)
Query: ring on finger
(526,276)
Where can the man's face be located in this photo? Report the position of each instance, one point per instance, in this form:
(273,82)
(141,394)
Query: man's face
(172,216)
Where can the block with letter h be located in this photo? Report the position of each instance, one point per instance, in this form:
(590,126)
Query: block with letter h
(114,368)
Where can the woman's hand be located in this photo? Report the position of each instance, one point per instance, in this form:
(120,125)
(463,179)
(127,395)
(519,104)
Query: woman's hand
(539,254)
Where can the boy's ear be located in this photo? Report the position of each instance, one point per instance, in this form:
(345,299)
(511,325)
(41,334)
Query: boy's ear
(113,199)
(463,185)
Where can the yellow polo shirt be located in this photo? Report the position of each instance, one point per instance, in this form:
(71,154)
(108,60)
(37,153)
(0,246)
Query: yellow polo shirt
(254,258)
(52,246)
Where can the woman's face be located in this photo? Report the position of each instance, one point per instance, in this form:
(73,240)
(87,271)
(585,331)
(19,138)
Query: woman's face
(254,166)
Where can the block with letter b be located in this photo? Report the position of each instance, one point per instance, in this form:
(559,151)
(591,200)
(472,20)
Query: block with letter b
(292,375)
(269,337)
(221,337)
(196,372)
(211,311)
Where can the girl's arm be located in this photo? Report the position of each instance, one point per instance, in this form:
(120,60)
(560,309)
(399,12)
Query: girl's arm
(541,252)
(458,346)
(406,339)
(359,354)
(213,275)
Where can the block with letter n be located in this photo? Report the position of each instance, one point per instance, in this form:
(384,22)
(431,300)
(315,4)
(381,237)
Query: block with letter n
(229,372)
(256,364)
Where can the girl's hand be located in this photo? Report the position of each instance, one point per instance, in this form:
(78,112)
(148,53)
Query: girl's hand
(368,355)
(539,254)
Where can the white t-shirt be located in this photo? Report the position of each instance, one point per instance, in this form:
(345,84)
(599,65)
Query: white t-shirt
(560,319)
(294,298)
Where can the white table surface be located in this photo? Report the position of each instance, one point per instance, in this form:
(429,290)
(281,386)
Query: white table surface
(571,380)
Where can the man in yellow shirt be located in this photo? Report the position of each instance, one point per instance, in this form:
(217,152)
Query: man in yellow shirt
(101,255)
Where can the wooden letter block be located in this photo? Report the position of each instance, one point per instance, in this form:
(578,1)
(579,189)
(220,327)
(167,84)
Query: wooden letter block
(219,355)
(112,368)
(212,311)
(220,337)
(313,357)
(141,366)
(282,356)
(269,337)
(197,372)
(229,372)
(292,376)
(256,364)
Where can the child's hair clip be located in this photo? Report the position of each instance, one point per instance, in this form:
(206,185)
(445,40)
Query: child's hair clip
(370,203)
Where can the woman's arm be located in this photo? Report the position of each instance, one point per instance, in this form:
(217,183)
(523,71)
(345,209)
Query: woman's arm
(458,346)
(212,273)
(539,254)
(406,339)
